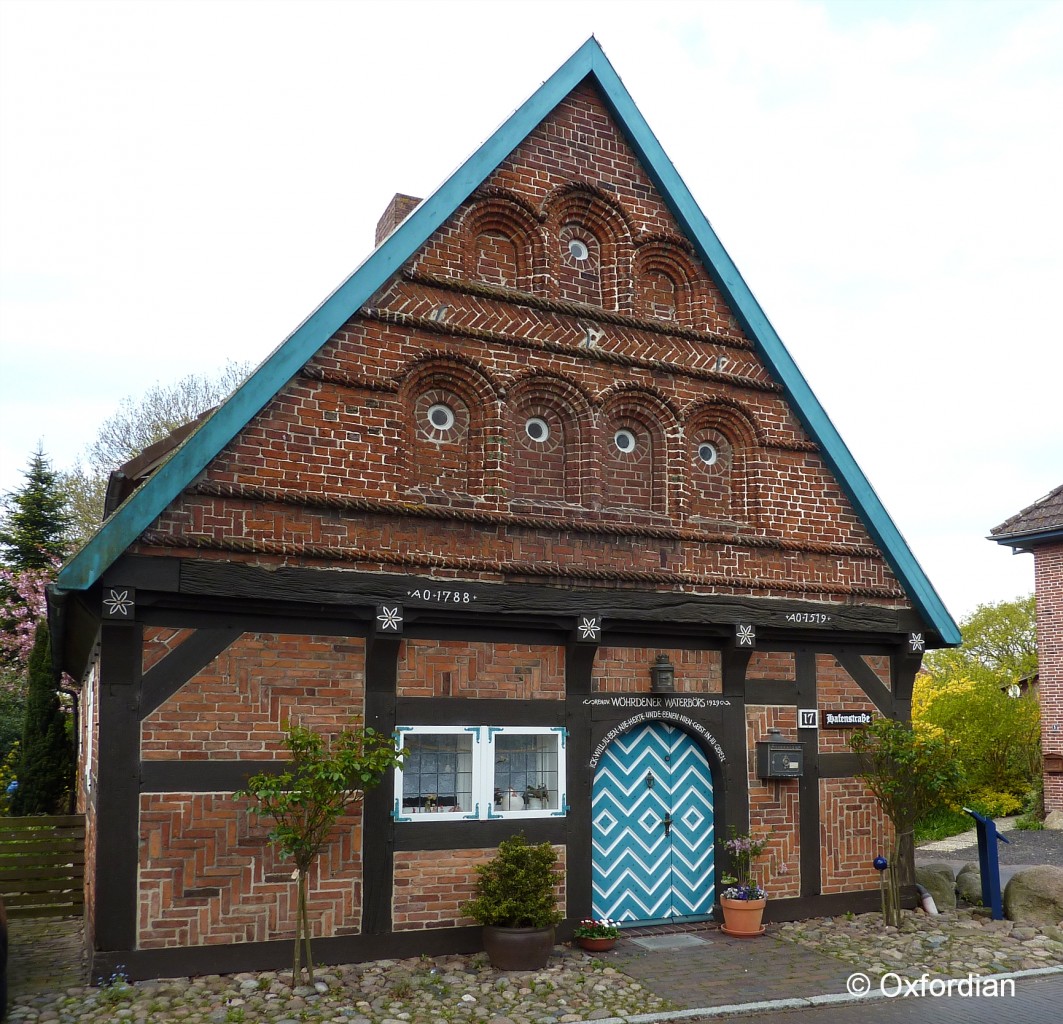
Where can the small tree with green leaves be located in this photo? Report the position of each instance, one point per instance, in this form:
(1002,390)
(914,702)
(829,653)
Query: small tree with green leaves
(324,780)
(909,776)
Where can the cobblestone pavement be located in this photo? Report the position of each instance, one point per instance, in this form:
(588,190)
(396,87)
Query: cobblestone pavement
(45,954)
(715,969)
(648,972)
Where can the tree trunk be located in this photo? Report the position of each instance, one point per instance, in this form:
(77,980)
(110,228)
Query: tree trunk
(306,926)
(298,929)
(894,871)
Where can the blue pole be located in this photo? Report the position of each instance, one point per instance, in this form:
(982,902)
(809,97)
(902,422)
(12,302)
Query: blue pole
(989,863)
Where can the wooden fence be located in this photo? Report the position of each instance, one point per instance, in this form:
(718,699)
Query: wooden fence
(42,865)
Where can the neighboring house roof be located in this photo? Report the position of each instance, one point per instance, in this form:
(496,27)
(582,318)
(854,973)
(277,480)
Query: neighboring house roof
(128,477)
(1037,523)
(167,482)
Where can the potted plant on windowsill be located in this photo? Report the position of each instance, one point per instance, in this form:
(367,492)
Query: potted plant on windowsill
(516,902)
(537,797)
(596,935)
(743,901)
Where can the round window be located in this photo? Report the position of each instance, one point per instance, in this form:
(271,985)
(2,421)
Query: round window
(624,441)
(707,453)
(578,250)
(537,429)
(441,416)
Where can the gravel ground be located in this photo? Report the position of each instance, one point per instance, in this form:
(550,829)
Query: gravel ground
(946,945)
(440,990)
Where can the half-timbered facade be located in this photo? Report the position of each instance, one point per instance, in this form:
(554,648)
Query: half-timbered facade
(539,490)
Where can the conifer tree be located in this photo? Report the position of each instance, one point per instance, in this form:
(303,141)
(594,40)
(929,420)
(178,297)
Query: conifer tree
(46,756)
(35,522)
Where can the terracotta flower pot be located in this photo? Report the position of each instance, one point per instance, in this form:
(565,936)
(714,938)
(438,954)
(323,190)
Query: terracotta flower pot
(597,945)
(741,918)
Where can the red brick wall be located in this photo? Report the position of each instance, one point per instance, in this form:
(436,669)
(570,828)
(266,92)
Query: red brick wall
(431,885)
(627,670)
(453,668)
(774,806)
(237,706)
(209,875)
(1048,575)
(775,665)
(159,642)
(853,832)
(837,691)
(341,467)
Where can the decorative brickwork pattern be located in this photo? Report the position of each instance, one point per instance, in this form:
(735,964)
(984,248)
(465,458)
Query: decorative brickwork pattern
(622,331)
(1048,575)
(775,665)
(554,468)
(237,706)
(853,833)
(283,533)
(627,670)
(774,806)
(159,642)
(452,668)
(838,691)
(208,874)
(431,885)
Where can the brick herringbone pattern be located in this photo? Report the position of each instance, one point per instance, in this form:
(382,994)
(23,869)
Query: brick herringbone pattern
(455,668)
(774,807)
(853,832)
(209,874)
(431,885)
(627,670)
(237,706)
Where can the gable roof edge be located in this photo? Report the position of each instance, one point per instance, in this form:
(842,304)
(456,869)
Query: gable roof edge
(755,322)
(192,457)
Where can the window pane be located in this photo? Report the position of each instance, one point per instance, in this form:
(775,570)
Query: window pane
(526,775)
(437,774)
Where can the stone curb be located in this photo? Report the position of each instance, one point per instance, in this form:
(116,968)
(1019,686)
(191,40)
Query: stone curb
(800,1003)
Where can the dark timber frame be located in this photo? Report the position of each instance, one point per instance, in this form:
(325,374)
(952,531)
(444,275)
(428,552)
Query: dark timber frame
(221,601)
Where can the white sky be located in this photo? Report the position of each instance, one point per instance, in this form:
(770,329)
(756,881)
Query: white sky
(181,183)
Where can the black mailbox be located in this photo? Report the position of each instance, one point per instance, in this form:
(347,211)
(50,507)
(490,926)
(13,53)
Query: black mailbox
(778,759)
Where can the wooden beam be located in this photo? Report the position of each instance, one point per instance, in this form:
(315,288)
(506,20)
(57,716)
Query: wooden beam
(163,680)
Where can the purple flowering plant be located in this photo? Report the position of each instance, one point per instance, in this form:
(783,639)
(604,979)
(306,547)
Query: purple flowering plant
(744,849)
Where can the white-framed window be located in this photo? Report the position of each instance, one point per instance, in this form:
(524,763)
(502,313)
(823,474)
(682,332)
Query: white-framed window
(480,772)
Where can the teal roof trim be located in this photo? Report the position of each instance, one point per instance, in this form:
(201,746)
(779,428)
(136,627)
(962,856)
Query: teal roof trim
(192,457)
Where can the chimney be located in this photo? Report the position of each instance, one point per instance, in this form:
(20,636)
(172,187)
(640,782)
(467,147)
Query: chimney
(398,210)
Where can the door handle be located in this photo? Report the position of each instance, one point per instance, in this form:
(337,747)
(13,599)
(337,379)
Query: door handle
(667,822)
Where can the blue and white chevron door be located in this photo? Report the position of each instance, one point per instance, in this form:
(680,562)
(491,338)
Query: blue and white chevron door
(652,831)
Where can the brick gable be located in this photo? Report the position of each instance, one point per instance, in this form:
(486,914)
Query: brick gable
(722,490)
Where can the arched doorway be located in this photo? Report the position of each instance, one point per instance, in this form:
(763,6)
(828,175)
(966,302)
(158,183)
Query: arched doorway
(652,827)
